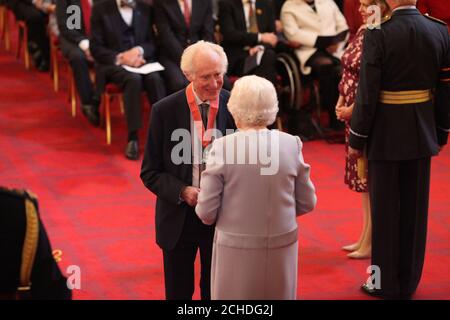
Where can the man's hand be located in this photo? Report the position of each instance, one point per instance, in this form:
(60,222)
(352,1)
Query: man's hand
(38,4)
(132,58)
(190,195)
(254,50)
(269,38)
(354,153)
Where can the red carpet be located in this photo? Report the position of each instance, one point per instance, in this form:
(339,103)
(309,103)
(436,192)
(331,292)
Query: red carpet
(99,214)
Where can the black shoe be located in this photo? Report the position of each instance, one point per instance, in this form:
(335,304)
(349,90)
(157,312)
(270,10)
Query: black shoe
(32,47)
(43,66)
(91,114)
(132,150)
(371,291)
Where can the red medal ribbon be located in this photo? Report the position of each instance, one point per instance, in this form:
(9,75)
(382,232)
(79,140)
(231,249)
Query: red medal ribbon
(195,112)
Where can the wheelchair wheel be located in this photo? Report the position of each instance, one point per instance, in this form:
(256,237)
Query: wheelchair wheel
(289,85)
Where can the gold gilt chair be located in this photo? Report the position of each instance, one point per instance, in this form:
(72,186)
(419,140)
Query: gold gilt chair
(23,42)
(54,71)
(110,93)
(4,27)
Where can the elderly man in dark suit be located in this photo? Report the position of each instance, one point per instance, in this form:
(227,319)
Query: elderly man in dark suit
(173,174)
(402,117)
(179,24)
(122,35)
(248,27)
(75,46)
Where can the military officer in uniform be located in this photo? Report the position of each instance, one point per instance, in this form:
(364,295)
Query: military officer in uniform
(401,118)
(28,269)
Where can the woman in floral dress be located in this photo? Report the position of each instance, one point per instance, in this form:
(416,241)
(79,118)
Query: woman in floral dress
(356,169)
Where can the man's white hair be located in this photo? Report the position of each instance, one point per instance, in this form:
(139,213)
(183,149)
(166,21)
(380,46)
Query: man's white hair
(189,55)
(253,101)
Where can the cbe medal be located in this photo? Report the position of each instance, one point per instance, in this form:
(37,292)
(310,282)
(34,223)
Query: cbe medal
(206,151)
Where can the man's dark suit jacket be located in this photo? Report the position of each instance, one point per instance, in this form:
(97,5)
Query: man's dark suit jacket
(160,175)
(173,33)
(105,42)
(76,35)
(234,29)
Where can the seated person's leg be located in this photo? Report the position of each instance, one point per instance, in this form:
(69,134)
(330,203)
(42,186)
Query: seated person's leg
(80,69)
(326,69)
(267,67)
(131,84)
(37,34)
(154,86)
(173,76)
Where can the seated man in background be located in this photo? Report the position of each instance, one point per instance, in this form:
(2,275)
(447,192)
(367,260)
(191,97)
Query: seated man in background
(179,24)
(28,269)
(248,27)
(319,27)
(122,35)
(74,44)
(36,20)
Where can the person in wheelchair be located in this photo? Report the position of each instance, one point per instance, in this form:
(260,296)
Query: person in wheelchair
(28,269)
(321,45)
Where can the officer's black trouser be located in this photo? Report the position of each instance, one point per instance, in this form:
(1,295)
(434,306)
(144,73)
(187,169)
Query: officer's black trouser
(399,192)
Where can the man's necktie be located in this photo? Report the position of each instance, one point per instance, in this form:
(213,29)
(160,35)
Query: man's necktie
(187,13)
(87,8)
(204,112)
(252,23)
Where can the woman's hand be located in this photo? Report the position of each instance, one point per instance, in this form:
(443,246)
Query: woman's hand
(344,113)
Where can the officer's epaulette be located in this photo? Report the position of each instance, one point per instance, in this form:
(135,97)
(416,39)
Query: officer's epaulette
(426,15)
(20,193)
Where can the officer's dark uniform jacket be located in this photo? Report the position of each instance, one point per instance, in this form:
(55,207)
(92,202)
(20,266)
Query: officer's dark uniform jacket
(403,101)
(27,269)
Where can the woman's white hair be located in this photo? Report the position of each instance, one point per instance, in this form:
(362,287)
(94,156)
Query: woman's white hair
(189,54)
(253,101)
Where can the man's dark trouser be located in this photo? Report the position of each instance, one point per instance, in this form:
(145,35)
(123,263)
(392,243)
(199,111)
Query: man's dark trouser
(399,192)
(179,262)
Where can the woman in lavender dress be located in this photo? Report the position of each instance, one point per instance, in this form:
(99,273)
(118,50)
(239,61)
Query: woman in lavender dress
(356,169)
